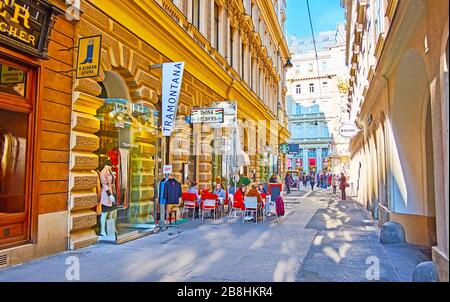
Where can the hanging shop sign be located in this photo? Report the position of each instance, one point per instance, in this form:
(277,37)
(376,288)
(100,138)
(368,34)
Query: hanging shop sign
(171,86)
(25,25)
(207,115)
(229,114)
(88,59)
(284,148)
(10,75)
(167,169)
(348,130)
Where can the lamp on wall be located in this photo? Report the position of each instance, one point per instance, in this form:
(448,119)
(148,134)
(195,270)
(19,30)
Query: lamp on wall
(288,64)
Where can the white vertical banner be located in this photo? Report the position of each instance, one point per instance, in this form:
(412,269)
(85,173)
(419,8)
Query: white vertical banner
(172,77)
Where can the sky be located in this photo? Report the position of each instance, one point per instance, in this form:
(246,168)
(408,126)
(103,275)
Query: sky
(325,15)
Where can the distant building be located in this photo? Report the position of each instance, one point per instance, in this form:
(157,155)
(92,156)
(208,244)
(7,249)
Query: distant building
(316,102)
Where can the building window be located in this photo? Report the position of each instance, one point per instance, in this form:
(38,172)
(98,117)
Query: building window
(231,46)
(311,87)
(298,109)
(216,26)
(310,67)
(325,85)
(196,13)
(324,66)
(243,61)
(298,89)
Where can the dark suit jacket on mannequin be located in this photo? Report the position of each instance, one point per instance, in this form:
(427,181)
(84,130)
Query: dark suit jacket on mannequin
(172,191)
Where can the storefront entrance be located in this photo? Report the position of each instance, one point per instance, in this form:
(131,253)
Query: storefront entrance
(128,162)
(17,125)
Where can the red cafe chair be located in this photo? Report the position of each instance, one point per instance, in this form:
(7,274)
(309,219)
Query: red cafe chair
(190,203)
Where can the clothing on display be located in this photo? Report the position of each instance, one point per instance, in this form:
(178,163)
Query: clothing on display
(114,156)
(12,172)
(108,186)
(162,200)
(123,175)
(172,191)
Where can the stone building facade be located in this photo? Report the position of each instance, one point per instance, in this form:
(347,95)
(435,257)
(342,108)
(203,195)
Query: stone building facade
(233,51)
(398,57)
(316,104)
(35,108)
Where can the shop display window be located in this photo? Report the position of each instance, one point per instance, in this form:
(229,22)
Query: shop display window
(13,156)
(129,144)
(16,126)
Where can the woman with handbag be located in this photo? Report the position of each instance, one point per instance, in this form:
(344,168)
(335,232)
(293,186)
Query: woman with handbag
(343,186)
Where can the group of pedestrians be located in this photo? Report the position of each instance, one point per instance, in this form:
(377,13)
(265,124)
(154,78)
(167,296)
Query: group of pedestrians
(319,180)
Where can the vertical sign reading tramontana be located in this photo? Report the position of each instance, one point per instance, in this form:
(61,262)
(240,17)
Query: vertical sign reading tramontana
(171,86)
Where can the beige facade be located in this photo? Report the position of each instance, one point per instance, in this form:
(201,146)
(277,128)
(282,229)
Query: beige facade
(233,51)
(398,57)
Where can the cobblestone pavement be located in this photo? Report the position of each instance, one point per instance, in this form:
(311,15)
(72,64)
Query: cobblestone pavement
(319,239)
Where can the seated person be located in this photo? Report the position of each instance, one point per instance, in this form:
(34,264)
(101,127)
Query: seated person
(255,193)
(239,197)
(220,192)
(193,189)
(262,189)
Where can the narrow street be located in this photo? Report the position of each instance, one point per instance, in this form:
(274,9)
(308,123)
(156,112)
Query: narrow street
(319,239)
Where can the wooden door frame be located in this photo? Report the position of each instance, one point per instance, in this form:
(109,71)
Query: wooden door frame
(34,87)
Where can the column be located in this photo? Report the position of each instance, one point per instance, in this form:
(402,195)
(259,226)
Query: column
(319,160)
(306,161)
(83,160)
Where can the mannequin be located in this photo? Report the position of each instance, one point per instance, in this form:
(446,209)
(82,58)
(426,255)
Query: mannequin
(107,198)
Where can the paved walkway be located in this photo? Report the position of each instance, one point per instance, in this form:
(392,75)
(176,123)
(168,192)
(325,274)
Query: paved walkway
(319,239)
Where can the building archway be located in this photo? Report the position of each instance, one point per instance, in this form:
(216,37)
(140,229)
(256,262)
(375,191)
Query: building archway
(412,156)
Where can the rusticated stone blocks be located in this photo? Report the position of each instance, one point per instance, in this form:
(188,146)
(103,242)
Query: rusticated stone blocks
(83,220)
(83,161)
(84,141)
(83,201)
(82,181)
(85,122)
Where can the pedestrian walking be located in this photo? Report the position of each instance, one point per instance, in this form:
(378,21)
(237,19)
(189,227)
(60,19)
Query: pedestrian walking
(334,183)
(343,185)
(312,182)
(287,182)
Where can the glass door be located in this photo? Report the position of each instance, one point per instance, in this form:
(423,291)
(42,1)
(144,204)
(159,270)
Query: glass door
(16,132)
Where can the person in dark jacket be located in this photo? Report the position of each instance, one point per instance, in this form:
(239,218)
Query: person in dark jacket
(312,182)
(273,179)
(343,186)
(287,182)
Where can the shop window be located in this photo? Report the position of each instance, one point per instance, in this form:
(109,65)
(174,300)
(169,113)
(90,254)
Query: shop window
(13,156)
(16,126)
(129,145)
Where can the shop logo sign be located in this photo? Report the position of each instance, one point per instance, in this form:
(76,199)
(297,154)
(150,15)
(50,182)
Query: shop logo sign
(167,169)
(25,25)
(9,75)
(171,86)
(348,130)
(207,115)
(88,60)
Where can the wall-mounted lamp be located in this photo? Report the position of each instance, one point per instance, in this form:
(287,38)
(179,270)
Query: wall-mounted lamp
(288,64)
